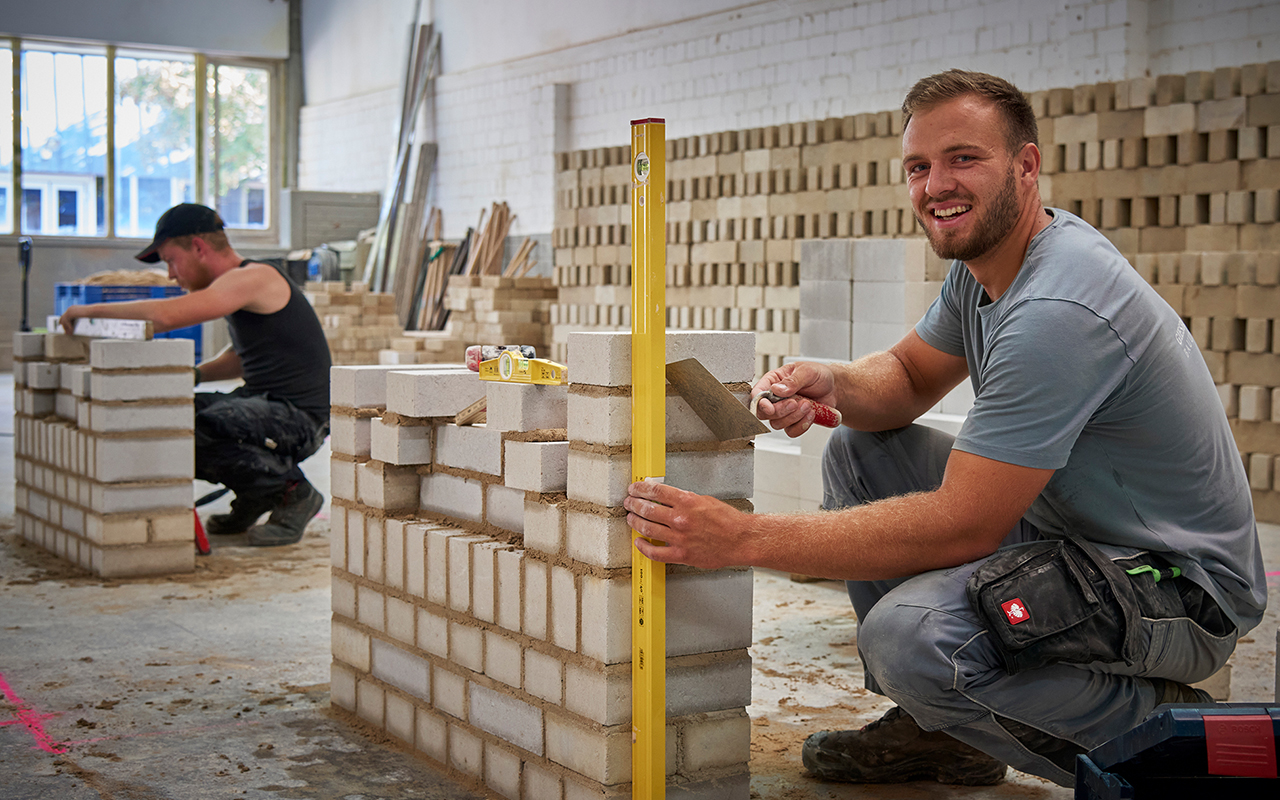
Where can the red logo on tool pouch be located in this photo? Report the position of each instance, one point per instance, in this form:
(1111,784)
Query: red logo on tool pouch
(1015,611)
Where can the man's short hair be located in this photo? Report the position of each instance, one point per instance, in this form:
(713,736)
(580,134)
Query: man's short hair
(1020,119)
(215,239)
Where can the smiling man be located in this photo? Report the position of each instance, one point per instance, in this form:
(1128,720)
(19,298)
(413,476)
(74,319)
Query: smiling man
(1078,554)
(252,438)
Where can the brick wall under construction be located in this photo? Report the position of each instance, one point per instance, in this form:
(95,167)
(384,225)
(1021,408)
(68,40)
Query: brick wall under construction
(1180,172)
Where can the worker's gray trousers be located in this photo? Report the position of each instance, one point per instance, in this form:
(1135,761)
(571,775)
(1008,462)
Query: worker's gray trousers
(923,646)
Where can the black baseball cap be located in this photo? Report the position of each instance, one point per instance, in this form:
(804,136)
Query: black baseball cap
(184,219)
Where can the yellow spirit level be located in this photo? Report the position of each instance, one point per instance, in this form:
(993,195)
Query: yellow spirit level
(516,369)
(648,451)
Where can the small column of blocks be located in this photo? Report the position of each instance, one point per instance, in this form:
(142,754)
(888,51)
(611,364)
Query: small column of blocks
(104,473)
(489,627)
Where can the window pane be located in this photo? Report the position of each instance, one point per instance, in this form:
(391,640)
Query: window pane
(155,139)
(6,139)
(238,134)
(64,115)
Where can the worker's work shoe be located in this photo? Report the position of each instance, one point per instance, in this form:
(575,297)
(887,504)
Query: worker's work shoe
(289,520)
(245,510)
(893,749)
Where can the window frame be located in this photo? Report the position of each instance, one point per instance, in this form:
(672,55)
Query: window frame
(267,236)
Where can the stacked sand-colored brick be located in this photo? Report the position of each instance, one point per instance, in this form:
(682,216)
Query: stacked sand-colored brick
(1168,168)
(103,452)
(481,589)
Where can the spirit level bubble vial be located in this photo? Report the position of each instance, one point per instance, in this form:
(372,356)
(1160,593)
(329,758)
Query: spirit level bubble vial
(648,451)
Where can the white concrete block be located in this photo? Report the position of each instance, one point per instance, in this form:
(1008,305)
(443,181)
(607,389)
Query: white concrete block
(433,633)
(80,375)
(363,386)
(510,588)
(43,375)
(502,660)
(484,579)
(606,758)
(525,407)
(510,719)
(139,417)
(128,354)
(461,498)
(399,717)
(535,620)
(504,507)
(106,498)
(342,597)
(473,447)
(465,751)
(401,621)
(604,359)
(401,669)
(350,645)
(717,742)
(879,302)
(501,770)
(543,527)
(603,479)
(607,420)
(830,300)
(439,568)
(387,486)
(433,393)
(107,386)
(117,460)
(606,619)
(393,552)
(400,444)
(449,692)
(415,559)
(537,466)
(599,695)
(466,646)
(342,686)
(596,540)
(544,676)
(826,260)
(28,345)
(350,435)
(564,609)
(432,735)
(371,609)
(355,540)
(707,611)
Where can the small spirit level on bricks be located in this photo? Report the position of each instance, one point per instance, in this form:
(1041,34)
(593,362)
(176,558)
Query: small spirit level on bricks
(648,451)
(513,368)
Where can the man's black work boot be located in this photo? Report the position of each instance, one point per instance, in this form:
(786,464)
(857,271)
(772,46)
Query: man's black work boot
(287,522)
(245,510)
(893,749)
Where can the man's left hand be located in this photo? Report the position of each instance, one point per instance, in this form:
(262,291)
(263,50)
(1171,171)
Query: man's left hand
(693,529)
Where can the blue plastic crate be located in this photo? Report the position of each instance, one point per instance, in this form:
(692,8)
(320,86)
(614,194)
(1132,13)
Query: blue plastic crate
(78,294)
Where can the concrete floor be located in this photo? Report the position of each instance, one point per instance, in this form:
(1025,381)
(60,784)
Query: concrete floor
(215,684)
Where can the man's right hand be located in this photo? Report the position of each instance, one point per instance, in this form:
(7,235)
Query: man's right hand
(802,378)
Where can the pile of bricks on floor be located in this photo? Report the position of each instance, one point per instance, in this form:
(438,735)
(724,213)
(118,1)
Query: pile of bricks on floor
(1231,302)
(103,451)
(357,322)
(481,574)
(1170,164)
(490,309)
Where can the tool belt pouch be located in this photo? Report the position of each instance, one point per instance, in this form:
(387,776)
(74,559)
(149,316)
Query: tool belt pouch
(1053,602)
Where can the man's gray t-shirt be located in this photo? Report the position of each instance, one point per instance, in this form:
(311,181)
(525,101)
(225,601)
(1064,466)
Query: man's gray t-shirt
(1082,368)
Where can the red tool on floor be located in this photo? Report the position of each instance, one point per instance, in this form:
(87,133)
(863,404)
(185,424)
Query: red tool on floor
(202,540)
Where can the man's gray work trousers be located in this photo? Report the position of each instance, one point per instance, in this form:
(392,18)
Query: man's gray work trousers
(923,646)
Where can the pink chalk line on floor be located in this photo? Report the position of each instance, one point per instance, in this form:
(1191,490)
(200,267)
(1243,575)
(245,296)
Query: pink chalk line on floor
(29,719)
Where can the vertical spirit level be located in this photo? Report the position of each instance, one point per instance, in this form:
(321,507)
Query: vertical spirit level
(648,451)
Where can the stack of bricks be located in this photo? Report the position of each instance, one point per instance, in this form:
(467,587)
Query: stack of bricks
(1231,302)
(1167,166)
(357,322)
(103,452)
(481,589)
(490,309)
(423,347)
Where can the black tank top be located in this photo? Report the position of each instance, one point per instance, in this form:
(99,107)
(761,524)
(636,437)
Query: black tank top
(285,354)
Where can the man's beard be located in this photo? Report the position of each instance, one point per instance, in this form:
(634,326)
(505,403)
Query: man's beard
(988,231)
